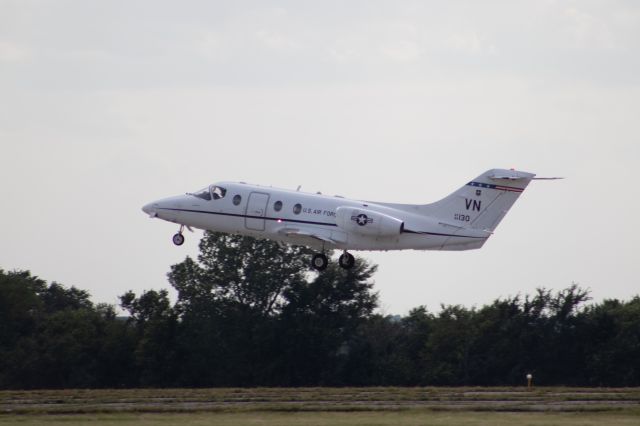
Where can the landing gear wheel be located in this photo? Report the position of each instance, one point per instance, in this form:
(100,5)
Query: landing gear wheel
(319,262)
(178,239)
(346,260)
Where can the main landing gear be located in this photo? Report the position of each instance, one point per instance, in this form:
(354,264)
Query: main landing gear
(346,260)
(319,261)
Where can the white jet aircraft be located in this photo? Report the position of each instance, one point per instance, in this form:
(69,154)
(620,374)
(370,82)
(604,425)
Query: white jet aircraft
(463,220)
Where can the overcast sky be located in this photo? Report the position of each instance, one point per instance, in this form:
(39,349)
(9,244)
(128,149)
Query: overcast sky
(107,105)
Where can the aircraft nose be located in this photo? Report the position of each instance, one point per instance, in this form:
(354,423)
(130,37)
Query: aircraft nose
(150,209)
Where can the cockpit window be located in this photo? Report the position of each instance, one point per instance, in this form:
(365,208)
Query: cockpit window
(218,192)
(212,192)
(203,193)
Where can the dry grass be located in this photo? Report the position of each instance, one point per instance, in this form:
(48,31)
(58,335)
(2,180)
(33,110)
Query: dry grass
(353,406)
(403,418)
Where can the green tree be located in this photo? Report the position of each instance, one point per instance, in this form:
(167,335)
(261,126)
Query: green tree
(57,297)
(155,323)
(320,322)
(227,302)
(52,336)
(239,271)
(250,308)
(611,332)
(448,352)
(20,305)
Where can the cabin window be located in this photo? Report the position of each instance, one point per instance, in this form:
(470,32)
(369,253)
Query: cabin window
(297,209)
(277,206)
(236,199)
(203,193)
(218,192)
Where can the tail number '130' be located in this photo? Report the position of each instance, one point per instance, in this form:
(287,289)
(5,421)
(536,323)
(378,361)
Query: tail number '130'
(462,217)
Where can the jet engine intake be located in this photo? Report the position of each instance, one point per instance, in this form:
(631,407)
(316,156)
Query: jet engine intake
(368,222)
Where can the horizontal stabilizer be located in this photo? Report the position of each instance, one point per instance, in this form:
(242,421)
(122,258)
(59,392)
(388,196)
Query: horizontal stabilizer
(507,177)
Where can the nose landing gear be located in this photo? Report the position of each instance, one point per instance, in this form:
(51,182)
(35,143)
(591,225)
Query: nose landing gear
(178,239)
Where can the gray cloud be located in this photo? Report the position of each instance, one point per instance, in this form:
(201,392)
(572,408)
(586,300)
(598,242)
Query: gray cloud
(107,105)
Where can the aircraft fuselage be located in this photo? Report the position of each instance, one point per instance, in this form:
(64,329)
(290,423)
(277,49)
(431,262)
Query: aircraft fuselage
(255,215)
(464,220)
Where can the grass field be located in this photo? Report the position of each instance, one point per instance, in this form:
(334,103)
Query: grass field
(324,406)
(404,418)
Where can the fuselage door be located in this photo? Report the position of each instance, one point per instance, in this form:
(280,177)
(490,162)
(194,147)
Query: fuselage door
(256,211)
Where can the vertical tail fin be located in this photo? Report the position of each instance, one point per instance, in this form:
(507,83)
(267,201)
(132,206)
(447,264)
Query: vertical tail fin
(483,202)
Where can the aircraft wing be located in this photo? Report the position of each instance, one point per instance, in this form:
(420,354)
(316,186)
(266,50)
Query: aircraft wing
(324,236)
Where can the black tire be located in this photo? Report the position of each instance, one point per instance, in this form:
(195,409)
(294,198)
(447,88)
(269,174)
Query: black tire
(346,260)
(178,239)
(319,262)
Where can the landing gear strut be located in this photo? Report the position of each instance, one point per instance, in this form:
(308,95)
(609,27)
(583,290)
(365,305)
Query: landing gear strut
(178,239)
(346,260)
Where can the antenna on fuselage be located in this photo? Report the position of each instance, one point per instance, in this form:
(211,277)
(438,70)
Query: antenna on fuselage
(299,186)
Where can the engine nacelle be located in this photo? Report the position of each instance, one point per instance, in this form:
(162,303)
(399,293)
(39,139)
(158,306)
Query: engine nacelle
(368,222)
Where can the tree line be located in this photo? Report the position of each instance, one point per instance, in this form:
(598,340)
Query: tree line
(250,312)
